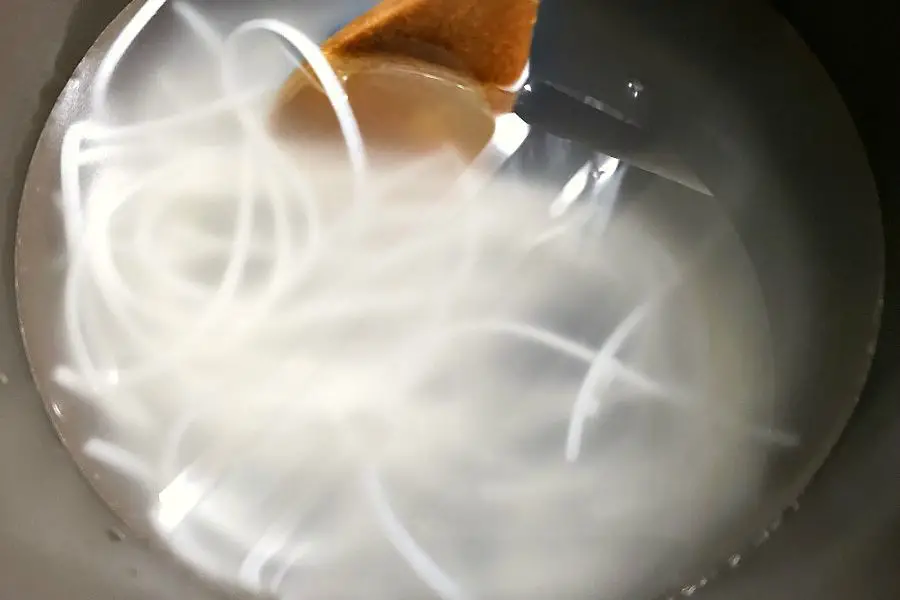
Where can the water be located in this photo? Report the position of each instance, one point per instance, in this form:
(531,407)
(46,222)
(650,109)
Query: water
(487,478)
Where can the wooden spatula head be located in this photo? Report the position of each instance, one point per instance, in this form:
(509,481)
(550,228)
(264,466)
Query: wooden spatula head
(489,40)
(474,45)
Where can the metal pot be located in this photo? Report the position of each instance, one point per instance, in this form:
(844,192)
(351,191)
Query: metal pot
(791,164)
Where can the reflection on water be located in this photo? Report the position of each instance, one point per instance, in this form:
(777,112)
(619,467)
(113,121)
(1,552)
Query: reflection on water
(552,376)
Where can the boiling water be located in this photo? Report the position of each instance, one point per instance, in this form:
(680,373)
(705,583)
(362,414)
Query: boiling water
(325,373)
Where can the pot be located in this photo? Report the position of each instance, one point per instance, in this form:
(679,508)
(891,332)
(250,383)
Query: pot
(722,98)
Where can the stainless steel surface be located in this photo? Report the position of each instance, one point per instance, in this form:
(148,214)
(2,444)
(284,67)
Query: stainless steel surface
(59,525)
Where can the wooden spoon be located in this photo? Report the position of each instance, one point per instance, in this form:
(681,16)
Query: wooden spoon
(490,40)
(476,47)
